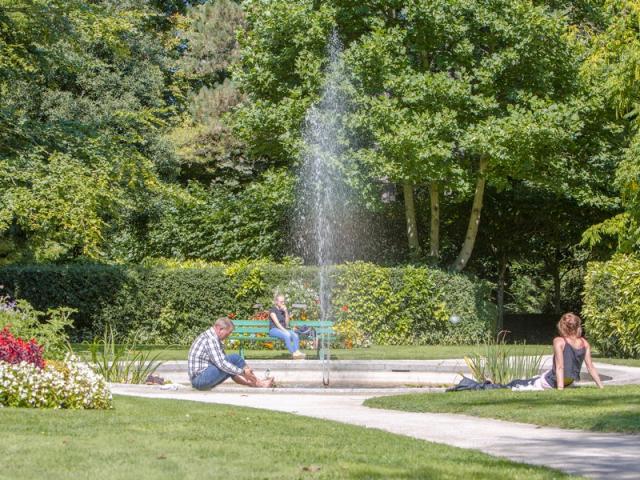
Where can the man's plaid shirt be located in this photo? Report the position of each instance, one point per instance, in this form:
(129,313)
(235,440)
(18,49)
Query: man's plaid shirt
(208,349)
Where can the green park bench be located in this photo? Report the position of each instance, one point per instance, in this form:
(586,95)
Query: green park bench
(248,331)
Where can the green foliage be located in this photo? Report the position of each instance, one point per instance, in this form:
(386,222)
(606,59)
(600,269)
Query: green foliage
(411,305)
(614,64)
(88,91)
(172,305)
(529,290)
(211,38)
(49,329)
(221,223)
(208,149)
(612,306)
(499,362)
(431,87)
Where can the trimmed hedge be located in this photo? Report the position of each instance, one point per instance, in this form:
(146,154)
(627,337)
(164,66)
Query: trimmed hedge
(172,304)
(612,306)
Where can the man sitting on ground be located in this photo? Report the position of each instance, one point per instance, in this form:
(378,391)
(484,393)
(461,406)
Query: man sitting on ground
(209,366)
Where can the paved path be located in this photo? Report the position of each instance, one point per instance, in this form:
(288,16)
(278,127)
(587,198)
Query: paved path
(596,455)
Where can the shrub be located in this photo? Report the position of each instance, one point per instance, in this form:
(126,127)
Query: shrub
(224,223)
(170,304)
(70,385)
(15,350)
(412,304)
(48,328)
(611,308)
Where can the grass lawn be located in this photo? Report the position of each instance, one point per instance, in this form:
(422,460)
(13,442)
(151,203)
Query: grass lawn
(613,409)
(158,439)
(629,362)
(376,352)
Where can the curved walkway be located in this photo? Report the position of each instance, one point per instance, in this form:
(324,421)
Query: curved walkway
(596,455)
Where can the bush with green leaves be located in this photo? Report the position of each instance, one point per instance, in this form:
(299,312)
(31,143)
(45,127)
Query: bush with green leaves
(170,304)
(611,307)
(220,222)
(49,328)
(409,305)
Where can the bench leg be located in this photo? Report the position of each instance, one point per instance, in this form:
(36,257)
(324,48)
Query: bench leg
(241,350)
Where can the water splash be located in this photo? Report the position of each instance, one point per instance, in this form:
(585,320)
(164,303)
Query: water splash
(323,196)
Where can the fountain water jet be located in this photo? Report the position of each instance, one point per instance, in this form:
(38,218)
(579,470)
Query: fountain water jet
(323,196)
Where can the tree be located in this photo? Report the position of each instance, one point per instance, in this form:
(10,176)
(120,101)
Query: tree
(442,93)
(208,149)
(614,65)
(87,94)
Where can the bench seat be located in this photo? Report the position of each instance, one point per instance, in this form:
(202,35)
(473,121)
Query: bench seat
(247,331)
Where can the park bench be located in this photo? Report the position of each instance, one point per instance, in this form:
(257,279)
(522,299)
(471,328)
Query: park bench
(248,331)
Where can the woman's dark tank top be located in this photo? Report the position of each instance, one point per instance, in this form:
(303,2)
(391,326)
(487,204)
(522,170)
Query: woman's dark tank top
(280,315)
(573,358)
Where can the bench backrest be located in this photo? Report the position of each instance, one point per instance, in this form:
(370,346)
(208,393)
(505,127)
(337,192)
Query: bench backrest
(262,326)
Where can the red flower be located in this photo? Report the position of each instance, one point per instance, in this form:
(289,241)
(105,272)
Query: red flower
(261,315)
(232,315)
(16,350)
(345,308)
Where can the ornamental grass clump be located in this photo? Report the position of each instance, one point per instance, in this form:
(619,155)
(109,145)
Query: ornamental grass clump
(499,362)
(67,384)
(121,363)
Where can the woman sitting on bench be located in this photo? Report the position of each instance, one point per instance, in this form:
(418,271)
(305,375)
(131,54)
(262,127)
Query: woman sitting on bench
(279,327)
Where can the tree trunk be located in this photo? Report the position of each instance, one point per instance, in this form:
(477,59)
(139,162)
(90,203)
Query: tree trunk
(502,270)
(410,212)
(474,220)
(435,220)
(555,272)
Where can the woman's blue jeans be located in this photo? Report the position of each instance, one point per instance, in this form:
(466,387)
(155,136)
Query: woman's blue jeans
(290,339)
(212,375)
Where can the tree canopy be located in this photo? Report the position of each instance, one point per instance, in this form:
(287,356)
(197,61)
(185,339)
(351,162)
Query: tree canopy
(132,130)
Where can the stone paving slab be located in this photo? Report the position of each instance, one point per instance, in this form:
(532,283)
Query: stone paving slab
(596,455)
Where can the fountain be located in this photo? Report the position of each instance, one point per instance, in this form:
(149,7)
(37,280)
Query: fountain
(323,196)
(326,236)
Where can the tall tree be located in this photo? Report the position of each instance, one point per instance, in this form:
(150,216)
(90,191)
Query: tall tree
(208,148)
(87,92)
(448,94)
(614,66)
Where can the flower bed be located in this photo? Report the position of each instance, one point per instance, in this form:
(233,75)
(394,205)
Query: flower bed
(66,384)
(15,350)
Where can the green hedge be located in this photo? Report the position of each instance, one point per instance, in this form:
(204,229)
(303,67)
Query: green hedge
(163,304)
(612,306)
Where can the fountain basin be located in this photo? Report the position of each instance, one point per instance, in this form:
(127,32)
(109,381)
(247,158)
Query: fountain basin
(381,374)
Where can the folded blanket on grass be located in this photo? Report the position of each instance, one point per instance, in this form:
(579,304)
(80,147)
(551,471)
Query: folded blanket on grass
(516,385)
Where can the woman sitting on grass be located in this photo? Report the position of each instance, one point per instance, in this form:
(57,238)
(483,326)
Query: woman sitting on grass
(570,349)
